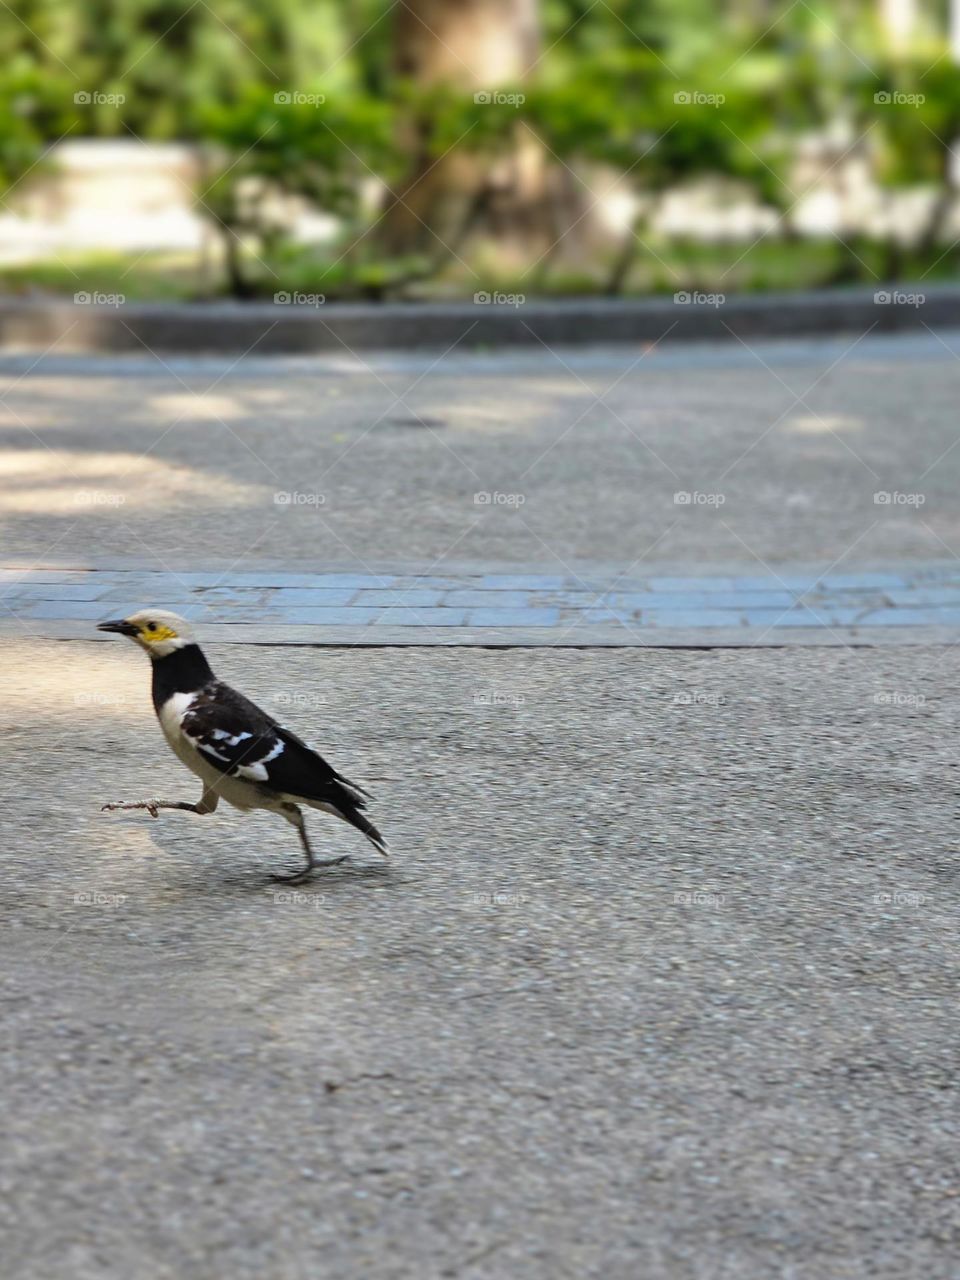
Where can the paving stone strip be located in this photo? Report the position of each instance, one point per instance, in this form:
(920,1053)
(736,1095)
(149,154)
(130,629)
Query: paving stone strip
(597,605)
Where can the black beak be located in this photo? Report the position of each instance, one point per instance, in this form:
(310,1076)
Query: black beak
(120,626)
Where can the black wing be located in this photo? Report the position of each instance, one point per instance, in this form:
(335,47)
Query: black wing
(232,733)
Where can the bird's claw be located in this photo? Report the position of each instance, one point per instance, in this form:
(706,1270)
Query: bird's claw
(297,877)
(149,805)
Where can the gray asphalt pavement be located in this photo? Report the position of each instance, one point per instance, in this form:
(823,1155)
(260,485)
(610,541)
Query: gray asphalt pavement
(780,446)
(661,981)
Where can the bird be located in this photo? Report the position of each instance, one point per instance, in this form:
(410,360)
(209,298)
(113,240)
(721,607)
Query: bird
(241,754)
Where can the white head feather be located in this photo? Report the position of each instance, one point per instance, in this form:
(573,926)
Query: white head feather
(158,631)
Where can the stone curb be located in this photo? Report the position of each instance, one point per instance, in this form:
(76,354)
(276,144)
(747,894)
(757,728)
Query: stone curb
(580,637)
(269,328)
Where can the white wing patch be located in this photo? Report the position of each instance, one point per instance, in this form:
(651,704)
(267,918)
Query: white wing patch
(256,770)
(174,712)
(231,739)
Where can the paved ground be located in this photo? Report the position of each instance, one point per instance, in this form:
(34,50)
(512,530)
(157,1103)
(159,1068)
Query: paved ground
(660,982)
(781,450)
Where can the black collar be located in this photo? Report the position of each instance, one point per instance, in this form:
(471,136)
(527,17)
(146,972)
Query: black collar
(183,671)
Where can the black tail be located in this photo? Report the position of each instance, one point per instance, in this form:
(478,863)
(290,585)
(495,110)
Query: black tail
(350,805)
(363,823)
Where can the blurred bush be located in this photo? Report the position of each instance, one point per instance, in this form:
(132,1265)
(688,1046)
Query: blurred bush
(433,184)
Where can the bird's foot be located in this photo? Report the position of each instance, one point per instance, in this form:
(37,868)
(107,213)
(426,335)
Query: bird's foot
(297,876)
(152,806)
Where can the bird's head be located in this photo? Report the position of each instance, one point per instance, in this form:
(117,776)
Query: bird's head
(156,630)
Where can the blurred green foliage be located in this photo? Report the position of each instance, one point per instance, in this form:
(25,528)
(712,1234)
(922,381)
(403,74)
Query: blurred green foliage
(298,100)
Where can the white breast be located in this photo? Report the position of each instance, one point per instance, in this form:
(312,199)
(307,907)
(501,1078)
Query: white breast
(236,791)
(171,713)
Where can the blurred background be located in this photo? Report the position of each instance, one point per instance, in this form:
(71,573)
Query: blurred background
(315,149)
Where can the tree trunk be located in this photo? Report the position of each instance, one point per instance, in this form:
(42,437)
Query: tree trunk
(898,19)
(475,46)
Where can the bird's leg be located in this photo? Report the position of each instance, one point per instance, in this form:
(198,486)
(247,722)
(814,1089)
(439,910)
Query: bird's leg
(293,813)
(152,806)
(206,804)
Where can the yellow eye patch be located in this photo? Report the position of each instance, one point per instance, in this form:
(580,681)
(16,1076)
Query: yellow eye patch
(155,634)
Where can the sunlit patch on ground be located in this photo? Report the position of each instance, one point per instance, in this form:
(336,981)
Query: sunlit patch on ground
(69,481)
